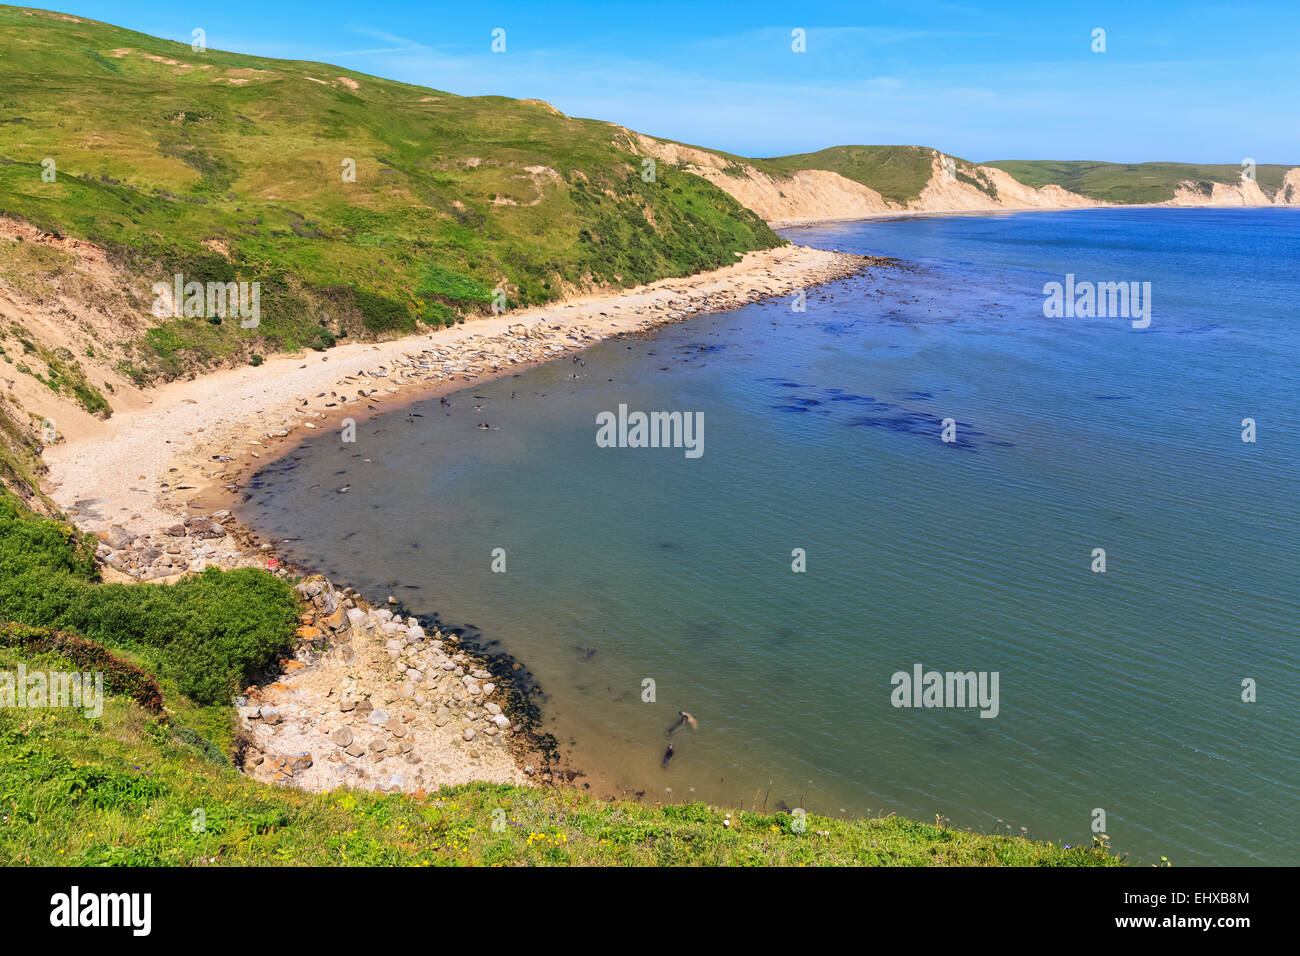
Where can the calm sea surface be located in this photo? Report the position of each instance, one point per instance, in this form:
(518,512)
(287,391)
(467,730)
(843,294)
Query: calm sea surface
(1119,690)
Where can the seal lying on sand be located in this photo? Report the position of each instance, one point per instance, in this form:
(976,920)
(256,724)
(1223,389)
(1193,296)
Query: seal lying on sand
(683,718)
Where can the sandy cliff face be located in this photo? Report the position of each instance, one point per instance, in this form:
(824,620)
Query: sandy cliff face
(1289,192)
(954,190)
(822,195)
(1245,193)
(808,194)
(67,316)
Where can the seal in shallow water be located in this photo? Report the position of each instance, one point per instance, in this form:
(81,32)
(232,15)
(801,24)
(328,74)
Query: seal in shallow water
(683,718)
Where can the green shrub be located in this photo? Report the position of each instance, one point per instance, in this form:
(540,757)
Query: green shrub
(120,677)
(209,633)
(382,314)
(29,543)
(452,286)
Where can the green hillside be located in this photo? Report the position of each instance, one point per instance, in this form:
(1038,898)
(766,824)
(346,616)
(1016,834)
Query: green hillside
(1131,182)
(896,172)
(222,166)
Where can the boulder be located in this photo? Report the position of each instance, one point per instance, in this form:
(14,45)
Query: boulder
(117,537)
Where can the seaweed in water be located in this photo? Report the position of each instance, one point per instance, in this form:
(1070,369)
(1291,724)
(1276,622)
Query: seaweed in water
(916,423)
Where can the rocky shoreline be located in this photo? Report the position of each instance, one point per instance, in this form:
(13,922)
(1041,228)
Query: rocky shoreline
(373,700)
(370,697)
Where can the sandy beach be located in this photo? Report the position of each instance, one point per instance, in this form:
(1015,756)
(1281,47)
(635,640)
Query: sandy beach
(145,466)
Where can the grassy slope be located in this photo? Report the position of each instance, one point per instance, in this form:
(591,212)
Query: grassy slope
(896,172)
(123,790)
(155,157)
(1131,182)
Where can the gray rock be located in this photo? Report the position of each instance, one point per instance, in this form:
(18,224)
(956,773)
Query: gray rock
(341,737)
(118,537)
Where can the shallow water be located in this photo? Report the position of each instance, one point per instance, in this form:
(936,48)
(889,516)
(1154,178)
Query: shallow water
(1119,691)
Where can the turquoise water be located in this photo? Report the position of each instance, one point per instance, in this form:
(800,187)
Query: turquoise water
(1118,690)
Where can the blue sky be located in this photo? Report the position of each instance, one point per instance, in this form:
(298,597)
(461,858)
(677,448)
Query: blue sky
(1191,82)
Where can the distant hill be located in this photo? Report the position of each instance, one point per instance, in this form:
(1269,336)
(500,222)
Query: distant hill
(1135,182)
(898,173)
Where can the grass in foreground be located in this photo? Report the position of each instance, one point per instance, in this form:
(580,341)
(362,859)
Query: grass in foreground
(122,790)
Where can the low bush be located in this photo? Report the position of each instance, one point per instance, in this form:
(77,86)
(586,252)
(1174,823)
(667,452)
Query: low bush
(120,677)
(209,632)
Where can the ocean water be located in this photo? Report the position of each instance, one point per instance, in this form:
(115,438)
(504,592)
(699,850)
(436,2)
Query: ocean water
(1119,691)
